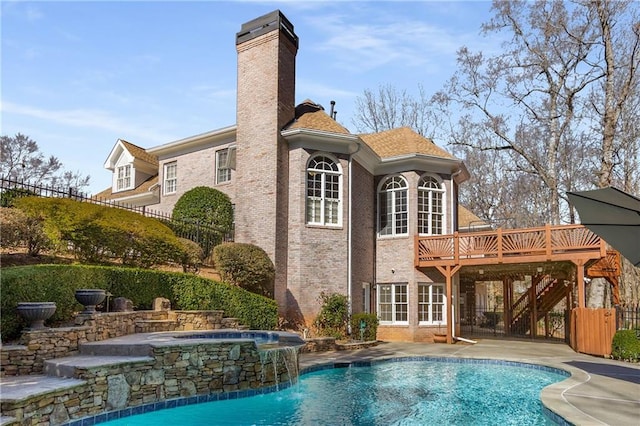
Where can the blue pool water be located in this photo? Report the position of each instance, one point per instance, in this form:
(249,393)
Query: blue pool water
(387,393)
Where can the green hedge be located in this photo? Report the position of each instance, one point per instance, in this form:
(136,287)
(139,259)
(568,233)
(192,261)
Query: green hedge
(57,283)
(626,345)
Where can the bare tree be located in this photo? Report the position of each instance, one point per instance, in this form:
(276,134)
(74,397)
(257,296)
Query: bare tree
(618,27)
(21,159)
(525,100)
(390,108)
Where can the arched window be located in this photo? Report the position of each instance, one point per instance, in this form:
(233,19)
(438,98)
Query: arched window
(323,191)
(430,206)
(392,207)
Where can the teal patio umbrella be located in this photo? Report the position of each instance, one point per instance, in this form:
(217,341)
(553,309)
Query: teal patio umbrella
(614,216)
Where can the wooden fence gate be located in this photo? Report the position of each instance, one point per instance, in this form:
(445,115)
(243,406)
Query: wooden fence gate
(592,330)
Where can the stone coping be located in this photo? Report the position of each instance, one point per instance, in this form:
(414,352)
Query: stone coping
(184,338)
(17,388)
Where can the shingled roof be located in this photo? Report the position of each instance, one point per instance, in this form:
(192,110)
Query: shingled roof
(401,141)
(141,189)
(140,153)
(310,115)
(468,219)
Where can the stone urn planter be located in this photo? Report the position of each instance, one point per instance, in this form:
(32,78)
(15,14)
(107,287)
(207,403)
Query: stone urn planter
(89,298)
(36,313)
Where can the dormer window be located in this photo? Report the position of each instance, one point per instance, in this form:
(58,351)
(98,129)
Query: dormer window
(124,178)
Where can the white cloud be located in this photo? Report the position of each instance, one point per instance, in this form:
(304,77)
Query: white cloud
(88,118)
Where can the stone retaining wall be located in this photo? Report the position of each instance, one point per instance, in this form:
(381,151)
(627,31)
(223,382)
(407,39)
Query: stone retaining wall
(39,345)
(172,372)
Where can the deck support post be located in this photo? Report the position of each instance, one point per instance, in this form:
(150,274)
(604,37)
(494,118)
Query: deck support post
(507,290)
(449,271)
(581,302)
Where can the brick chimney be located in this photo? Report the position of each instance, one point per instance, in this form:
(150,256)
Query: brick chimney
(267,48)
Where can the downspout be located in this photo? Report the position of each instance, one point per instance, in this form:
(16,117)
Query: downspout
(451,304)
(349,241)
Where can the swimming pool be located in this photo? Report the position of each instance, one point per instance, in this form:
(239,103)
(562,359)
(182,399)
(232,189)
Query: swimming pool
(411,392)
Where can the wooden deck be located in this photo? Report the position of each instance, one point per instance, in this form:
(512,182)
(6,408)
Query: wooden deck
(504,248)
(547,244)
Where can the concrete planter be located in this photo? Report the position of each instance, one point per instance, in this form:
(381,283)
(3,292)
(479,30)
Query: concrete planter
(36,313)
(89,298)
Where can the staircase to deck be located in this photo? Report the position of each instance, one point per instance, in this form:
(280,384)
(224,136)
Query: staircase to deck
(548,293)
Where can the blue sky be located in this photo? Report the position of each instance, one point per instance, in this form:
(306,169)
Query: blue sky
(76,76)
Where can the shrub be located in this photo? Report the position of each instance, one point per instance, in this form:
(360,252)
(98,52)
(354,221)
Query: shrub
(57,283)
(192,255)
(246,266)
(208,211)
(19,230)
(626,345)
(9,195)
(333,316)
(96,233)
(371,326)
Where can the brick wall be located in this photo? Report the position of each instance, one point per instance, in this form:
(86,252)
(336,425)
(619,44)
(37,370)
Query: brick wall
(195,168)
(265,103)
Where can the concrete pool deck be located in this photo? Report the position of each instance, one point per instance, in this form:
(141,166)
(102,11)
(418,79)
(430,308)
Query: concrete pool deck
(599,392)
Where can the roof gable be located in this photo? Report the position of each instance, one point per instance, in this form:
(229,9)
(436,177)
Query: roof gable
(137,153)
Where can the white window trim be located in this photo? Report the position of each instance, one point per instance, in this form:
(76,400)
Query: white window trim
(118,179)
(165,179)
(340,174)
(379,213)
(442,190)
(393,303)
(430,304)
(229,164)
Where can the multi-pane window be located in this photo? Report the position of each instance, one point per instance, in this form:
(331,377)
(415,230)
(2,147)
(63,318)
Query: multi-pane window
(431,304)
(124,177)
(392,207)
(393,303)
(170,177)
(323,191)
(430,206)
(223,165)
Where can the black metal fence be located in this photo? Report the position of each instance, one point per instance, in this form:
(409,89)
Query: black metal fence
(628,317)
(483,323)
(206,236)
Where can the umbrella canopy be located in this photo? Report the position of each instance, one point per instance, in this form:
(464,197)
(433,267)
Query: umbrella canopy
(613,215)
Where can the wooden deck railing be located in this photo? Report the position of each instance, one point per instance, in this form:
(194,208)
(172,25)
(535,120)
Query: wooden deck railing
(549,243)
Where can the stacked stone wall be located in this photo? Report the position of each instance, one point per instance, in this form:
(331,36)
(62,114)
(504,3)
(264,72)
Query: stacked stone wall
(34,347)
(172,372)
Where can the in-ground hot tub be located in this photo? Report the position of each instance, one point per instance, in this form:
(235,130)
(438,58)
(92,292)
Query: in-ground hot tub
(260,337)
